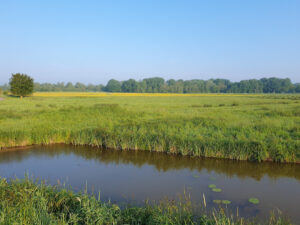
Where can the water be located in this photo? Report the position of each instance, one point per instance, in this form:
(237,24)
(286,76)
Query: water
(134,176)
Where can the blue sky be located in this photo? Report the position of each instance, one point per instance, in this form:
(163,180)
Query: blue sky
(94,41)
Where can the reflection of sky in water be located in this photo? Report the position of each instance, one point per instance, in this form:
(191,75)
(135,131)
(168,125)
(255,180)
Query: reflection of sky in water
(142,175)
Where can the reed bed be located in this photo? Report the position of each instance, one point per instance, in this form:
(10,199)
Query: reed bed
(240,127)
(28,202)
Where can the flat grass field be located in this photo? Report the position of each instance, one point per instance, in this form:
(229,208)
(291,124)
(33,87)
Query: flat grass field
(243,127)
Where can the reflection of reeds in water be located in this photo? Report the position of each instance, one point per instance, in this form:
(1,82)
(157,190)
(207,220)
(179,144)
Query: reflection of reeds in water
(161,161)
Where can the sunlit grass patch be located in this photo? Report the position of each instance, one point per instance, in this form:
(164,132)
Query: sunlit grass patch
(166,123)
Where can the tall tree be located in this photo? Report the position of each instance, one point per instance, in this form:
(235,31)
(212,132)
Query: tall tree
(129,86)
(154,84)
(21,84)
(113,86)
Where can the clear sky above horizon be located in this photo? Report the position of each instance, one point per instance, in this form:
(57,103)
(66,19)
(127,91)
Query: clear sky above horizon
(94,41)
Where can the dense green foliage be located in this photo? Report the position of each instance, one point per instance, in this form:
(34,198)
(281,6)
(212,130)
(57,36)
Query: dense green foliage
(21,84)
(26,202)
(159,85)
(259,127)
(113,86)
(69,87)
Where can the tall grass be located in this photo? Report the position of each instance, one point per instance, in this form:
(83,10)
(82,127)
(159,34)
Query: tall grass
(248,127)
(28,202)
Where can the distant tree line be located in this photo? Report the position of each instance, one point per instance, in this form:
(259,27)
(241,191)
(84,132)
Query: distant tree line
(159,85)
(68,87)
(61,86)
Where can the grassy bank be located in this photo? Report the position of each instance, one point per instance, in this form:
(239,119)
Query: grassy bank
(26,202)
(242,127)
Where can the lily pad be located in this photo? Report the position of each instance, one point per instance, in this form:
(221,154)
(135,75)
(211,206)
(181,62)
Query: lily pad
(212,186)
(253,200)
(226,202)
(217,201)
(196,175)
(217,189)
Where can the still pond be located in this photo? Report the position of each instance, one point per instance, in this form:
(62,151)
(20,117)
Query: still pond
(135,176)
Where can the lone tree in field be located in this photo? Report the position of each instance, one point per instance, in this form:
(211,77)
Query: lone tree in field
(21,84)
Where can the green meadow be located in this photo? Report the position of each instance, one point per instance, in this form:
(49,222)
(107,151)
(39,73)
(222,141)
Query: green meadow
(247,127)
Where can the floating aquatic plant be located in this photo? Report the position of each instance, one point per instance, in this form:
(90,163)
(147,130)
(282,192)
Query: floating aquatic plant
(226,202)
(212,186)
(217,201)
(217,189)
(253,200)
(196,175)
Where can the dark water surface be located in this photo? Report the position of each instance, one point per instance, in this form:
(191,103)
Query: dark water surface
(136,176)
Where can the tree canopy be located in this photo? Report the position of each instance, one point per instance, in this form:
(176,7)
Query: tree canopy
(113,86)
(159,85)
(21,84)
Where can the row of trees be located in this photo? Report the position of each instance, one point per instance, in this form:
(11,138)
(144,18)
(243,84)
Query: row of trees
(159,85)
(68,87)
(61,86)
